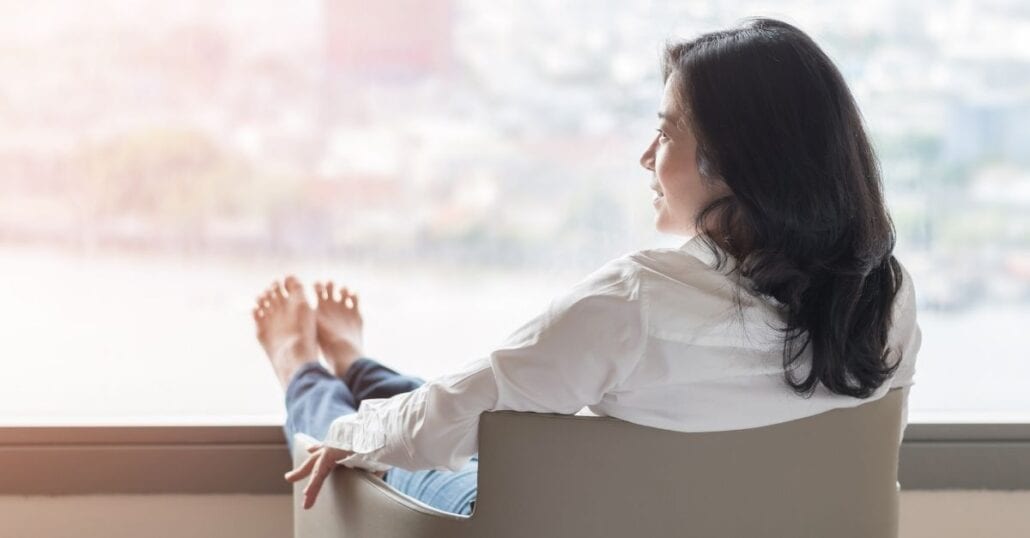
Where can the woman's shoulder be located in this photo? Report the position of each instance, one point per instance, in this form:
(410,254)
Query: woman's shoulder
(626,273)
(648,279)
(618,277)
(609,296)
(905,337)
(903,314)
(695,254)
(906,295)
(693,269)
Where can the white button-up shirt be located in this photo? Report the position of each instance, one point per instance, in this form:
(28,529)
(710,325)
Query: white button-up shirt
(654,337)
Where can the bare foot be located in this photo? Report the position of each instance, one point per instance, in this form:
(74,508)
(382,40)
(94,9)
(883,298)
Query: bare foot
(340,326)
(286,328)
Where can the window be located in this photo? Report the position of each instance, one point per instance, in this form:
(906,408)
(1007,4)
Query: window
(456,163)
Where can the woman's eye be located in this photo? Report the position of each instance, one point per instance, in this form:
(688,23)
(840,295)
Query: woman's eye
(661,135)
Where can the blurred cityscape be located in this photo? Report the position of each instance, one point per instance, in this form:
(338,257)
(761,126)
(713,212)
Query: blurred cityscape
(473,133)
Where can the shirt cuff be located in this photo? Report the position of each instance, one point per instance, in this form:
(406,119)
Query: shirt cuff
(365,439)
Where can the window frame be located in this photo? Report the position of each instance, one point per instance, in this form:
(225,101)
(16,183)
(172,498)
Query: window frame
(251,459)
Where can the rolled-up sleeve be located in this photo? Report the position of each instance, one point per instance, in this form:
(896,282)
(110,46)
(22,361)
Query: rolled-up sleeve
(579,348)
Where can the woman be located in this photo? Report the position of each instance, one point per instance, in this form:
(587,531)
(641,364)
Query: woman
(785,302)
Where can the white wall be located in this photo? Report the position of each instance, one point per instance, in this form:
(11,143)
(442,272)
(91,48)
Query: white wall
(929,514)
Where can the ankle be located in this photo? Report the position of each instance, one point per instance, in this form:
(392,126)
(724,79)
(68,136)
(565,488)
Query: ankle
(290,360)
(342,352)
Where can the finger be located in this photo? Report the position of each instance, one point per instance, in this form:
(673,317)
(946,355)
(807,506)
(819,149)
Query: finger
(303,470)
(322,470)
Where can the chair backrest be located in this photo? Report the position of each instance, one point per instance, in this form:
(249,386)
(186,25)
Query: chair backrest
(540,475)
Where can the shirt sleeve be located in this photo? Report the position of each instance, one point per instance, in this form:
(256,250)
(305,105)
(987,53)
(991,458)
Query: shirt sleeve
(579,348)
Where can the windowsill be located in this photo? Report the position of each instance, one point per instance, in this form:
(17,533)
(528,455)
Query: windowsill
(143,421)
(52,460)
(251,458)
(968,417)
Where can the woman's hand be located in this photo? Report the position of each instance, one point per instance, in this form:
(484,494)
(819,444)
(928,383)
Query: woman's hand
(319,464)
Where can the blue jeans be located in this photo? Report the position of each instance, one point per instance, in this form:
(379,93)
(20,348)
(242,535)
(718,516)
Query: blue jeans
(314,397)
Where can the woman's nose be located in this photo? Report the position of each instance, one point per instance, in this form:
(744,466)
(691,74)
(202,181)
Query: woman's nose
(647,159)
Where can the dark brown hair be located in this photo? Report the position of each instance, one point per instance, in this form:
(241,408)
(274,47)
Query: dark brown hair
(806,218)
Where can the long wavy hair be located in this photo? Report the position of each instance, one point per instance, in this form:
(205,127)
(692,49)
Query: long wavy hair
(806,218)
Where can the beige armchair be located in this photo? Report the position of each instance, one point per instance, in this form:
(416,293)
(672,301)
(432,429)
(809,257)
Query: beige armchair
(543,475)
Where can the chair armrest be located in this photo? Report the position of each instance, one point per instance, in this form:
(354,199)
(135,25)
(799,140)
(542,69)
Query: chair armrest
(357,503)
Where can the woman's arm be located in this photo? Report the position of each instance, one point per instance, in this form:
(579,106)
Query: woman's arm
(582,346)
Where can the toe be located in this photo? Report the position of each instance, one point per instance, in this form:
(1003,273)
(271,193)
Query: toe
(258,314)
(293,285)
(329,291)
(319,291)
(344,293)
(278,294)
(354,301)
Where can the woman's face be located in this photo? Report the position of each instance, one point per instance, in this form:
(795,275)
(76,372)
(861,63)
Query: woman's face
(672,157)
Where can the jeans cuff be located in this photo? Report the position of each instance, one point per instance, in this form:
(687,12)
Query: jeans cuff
(354,370)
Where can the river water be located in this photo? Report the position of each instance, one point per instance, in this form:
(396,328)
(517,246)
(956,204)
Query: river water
(134,340)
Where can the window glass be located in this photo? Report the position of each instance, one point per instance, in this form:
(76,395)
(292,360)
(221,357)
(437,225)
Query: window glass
(455,163)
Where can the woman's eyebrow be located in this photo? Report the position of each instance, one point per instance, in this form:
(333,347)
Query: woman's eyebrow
(670,117)
(674,118)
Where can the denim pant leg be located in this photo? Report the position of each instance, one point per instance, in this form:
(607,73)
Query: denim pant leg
(367,378)
(314,398)
(450,491)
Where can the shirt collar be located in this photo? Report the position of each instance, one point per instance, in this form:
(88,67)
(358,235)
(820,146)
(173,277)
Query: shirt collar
(697,247)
